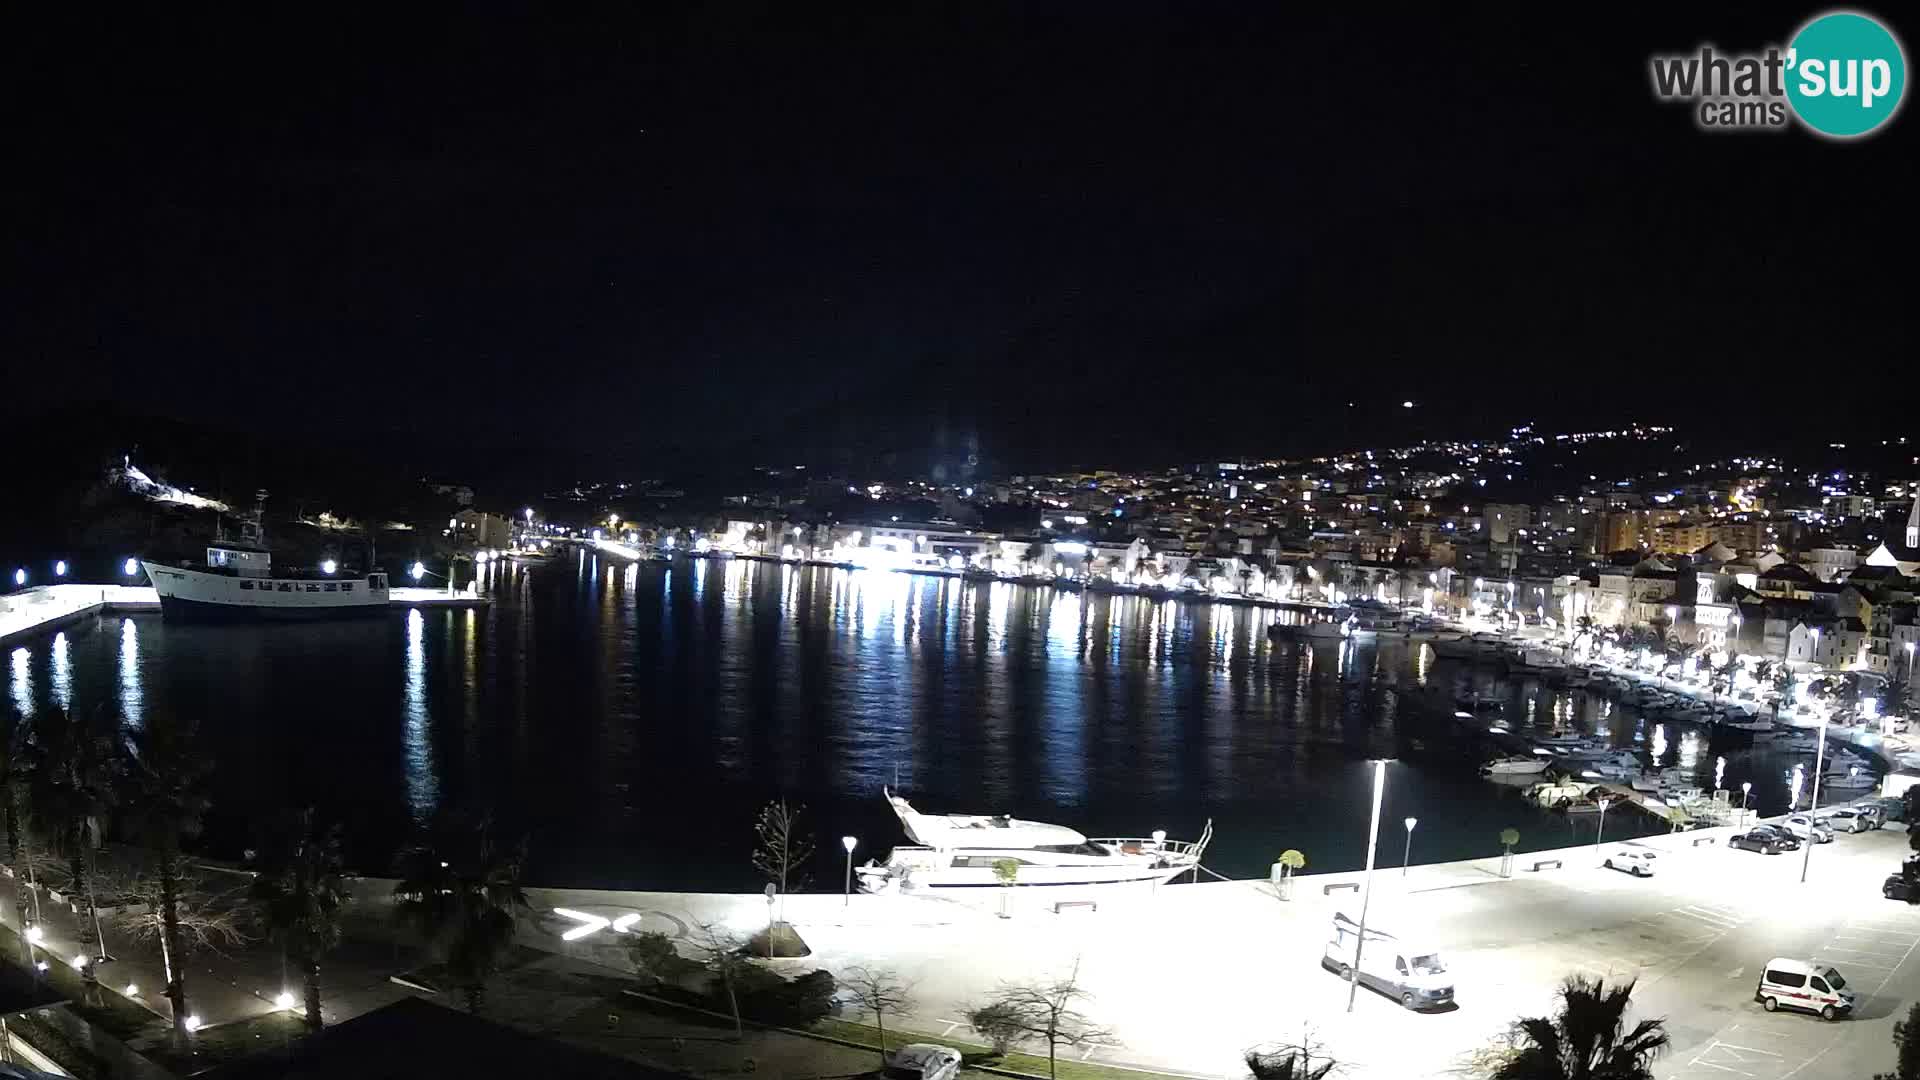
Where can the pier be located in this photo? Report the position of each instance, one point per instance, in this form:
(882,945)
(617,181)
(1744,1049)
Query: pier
(47,608)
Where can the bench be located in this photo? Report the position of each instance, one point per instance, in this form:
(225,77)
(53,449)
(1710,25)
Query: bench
(1061,906)
(1698,840)
(1327,890)
(1545,864)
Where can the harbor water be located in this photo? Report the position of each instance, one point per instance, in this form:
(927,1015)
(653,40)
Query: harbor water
(631,719)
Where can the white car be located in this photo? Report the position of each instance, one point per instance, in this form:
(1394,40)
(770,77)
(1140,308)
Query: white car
(922,1061)
(1799,825)
(1636,861)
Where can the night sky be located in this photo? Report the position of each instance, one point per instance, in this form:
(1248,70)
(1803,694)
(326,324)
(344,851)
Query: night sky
(1039,234)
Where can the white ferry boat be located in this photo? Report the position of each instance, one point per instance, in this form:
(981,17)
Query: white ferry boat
(238,582)
(960,851)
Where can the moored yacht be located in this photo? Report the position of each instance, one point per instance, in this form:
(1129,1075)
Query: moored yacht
(962,851)
(238,582)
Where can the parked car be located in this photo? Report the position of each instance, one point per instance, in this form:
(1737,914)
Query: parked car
(1891,809)
(1897,887)
(922,1061)
(1851,819)
(1804,827)
(1803,984)
(1766,840)
(1636,861)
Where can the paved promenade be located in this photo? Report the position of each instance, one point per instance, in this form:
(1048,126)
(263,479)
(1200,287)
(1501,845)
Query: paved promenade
(1189,975)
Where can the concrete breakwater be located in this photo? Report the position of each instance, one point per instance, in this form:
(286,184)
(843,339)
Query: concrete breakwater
(46,608)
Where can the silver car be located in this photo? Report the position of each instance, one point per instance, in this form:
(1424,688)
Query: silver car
(1806,828)
(1850,820)
(922,1061)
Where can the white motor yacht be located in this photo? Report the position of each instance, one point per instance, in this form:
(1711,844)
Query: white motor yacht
(962,851)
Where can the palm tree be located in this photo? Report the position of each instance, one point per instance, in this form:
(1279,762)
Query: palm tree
(1893,695)
(303,896)
(1588,1039)
(13,775)
(461,893)
(72,790)
(166,775)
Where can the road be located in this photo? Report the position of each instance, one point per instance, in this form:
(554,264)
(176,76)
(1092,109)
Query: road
(1188,976)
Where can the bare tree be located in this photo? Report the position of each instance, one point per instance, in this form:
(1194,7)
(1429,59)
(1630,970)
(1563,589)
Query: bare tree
(782,848)
(1043,1010)
(879,991)
(724,954)
(210,912)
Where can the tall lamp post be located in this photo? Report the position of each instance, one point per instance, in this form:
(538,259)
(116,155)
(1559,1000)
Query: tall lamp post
(1366,891)
(1813,802)
(849,842)
(1602,829)
(1408,853)
(1746,789)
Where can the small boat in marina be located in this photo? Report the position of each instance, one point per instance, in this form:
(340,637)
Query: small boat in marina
(1850,779)
(1559,743)
(1537,659)
(1758,728)
(1516,765)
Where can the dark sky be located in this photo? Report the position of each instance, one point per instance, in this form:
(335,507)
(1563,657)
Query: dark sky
(1039,233)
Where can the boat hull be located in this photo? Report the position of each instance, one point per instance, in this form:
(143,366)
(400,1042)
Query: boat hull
(179,609)
(197,596)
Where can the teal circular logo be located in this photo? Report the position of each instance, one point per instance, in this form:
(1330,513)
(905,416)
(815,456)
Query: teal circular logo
(1845,74)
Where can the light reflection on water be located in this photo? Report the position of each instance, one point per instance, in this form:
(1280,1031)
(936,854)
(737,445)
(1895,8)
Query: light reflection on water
(20,679)
(132,692)
(422,787)
(62,671)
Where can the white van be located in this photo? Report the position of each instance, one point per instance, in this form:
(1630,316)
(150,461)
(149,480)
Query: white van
(1804,984)
(1413,974)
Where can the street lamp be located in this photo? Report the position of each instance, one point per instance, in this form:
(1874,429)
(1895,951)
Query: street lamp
(1746,789)
(1408,853)
(1813,802)
(328,566)
(1719,771)
(1366,893)
(418,570)
(849,842)
(132,567)
(1602,829)
(60,568)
